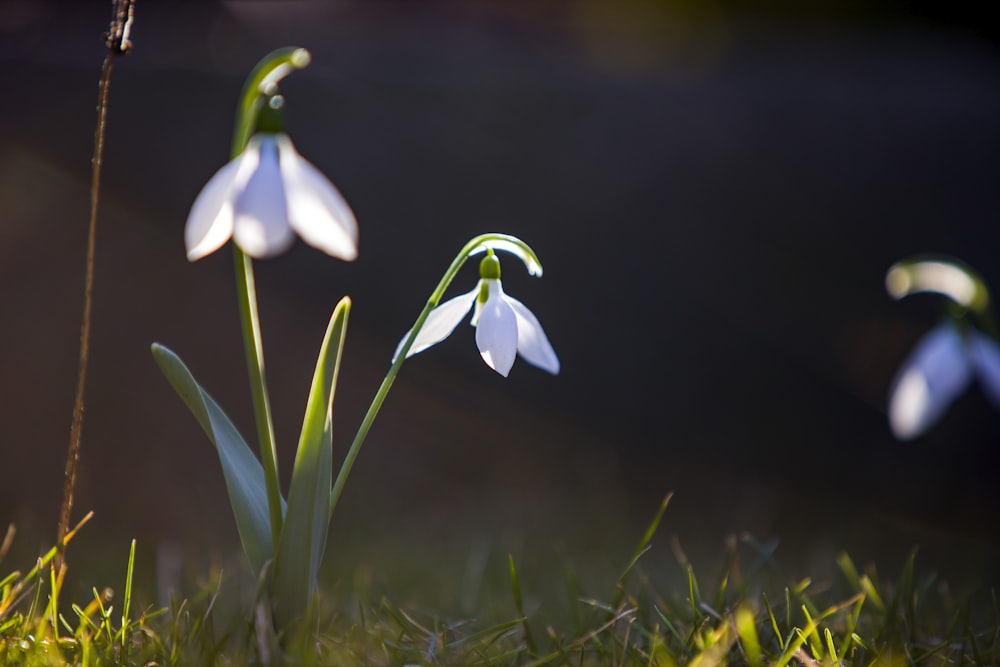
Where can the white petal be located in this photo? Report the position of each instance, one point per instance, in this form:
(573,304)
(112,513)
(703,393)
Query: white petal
(985,354)
(316,209)
(260,213)
(935,373)
(210,222)
(496,333)
(532,343)
(439,323)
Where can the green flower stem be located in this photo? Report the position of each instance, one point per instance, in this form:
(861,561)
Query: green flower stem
(471,247)
(261,82)
(246,295)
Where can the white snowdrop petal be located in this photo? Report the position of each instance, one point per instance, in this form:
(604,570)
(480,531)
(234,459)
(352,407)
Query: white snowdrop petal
(532,343)
(984,352)
(316,209)
(439,323)
(908,407)
(496,332)
(933,376)
(260,213)
(210,222)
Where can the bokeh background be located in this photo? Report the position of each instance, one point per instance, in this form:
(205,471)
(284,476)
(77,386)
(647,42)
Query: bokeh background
(715,189)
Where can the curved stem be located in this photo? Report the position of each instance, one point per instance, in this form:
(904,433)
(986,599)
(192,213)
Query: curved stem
(261,82)
(477,244)
(951,278)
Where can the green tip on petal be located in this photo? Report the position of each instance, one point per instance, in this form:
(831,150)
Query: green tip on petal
(483,296)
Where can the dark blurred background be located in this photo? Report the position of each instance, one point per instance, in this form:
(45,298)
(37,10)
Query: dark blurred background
(715,189)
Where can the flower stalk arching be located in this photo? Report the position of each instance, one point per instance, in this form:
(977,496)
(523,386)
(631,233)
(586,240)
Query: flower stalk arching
(479,244)
(953,279)
(259,86)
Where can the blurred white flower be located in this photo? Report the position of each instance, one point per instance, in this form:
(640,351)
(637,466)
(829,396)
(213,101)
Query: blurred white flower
(505,328)
(262,198)
(939,369)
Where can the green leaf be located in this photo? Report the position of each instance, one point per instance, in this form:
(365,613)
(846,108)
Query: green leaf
(243,472)
(303,535)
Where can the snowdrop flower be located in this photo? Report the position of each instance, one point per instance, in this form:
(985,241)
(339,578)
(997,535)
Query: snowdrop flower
(265,196)
(938,370)
(505,327)
(946,360)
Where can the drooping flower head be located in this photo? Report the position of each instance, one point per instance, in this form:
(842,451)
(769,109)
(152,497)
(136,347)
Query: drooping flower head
(265,196)
(946,360)
(505,328)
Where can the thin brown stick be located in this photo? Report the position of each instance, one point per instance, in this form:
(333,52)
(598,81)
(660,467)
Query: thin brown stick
(118,43)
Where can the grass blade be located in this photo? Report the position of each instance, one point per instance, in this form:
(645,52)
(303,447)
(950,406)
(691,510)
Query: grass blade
(127,601)
(640,549)
(515,586)
(774,622)
(747,632)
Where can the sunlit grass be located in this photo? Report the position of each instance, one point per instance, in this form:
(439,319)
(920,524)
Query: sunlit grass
(749,613)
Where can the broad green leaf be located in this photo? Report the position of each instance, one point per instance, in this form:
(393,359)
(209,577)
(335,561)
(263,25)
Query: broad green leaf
(243,472)
(303,534)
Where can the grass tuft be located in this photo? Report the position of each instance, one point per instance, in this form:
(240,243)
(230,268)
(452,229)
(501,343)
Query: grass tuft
(733,620)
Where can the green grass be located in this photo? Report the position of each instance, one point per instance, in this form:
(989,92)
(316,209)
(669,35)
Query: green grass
(749,613)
